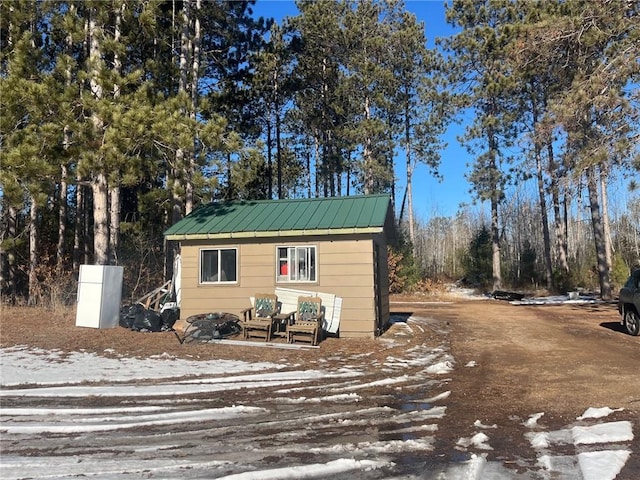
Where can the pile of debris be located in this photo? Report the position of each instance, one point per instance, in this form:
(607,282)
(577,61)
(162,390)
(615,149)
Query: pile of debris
(207,327)
(156,311)
(138,317)
(159,311)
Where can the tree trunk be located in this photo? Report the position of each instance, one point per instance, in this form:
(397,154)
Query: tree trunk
(78,229)
(66,143)
(367,154)
(495,246)
(99,183)
(546,236)
(114,190)
(12,232)
(565,211)
(229,166)
(33,253)
(188,184)
(559,222)
(181,164)
(195,69)
(548,266)
(269,156)
(117,34)
(185,46)
(598,234)
(62,217)
(316,146)
(605,216)
(100,220)
(276,111)
(495,200)
(409,191)
(114,223)
(278,153)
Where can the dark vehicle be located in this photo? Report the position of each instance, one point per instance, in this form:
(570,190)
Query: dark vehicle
(629,303)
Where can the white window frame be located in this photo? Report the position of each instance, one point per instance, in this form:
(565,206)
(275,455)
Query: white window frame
(215,278)
(303,259)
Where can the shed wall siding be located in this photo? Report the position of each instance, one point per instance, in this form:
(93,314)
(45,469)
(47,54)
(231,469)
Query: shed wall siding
(345,269)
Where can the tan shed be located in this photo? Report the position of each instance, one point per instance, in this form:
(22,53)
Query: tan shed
(332,246)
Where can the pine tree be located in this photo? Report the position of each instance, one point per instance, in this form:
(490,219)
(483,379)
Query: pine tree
(595,47)
(27,129)
(421,108)
(479,74)
(319,107)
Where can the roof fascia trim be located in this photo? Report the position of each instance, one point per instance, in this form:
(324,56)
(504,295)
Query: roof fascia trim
(274,234)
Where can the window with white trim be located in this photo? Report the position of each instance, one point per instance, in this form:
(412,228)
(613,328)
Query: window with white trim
(219,265)
(296,264)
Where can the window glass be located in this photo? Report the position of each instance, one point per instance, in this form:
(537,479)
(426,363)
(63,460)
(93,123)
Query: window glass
(633,281)
(296,264)
(218,265)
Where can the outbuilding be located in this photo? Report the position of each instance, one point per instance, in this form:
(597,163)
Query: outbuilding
(337,246)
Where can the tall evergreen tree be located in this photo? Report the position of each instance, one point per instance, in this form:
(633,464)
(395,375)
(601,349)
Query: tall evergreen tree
(317,68)
(27,129)
(595,46)
(274,86)
(477,71)
(231,36)
(421,107)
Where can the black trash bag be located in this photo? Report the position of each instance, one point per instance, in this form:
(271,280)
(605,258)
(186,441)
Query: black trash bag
(147,321)
(129,313)
(124,320)
(169,317)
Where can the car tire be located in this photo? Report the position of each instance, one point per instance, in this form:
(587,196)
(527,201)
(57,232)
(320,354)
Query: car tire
(632,322)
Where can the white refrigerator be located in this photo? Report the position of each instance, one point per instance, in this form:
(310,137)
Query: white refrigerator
(99,296)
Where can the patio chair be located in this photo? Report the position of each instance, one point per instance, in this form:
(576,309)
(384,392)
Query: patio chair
(307,323)
(258,320)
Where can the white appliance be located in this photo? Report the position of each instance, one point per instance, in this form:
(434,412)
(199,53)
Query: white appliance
(99,296)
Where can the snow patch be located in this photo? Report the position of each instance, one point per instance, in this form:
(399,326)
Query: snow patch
(317,470)
(532,422)
(603,465)
(479,440)
(479,424)
(440,368)
(593,412)
(603,433)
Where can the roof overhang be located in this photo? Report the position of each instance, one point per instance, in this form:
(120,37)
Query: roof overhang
(275,234)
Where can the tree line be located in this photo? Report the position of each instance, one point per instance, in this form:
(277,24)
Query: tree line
(119,117)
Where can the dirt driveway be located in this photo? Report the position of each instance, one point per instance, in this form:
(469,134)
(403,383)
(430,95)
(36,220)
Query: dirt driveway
(510,362)
(556,359)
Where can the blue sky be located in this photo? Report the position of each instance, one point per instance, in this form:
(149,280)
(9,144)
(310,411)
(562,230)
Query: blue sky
(433,198)
(430,197)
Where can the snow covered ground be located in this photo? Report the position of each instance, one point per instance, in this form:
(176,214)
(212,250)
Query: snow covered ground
(556,300)
(82,415)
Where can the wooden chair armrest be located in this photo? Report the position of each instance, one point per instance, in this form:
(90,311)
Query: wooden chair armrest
(247,312)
